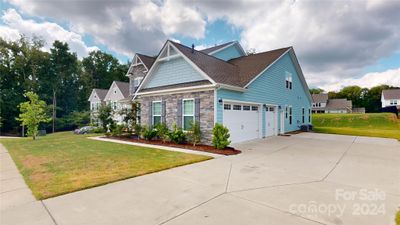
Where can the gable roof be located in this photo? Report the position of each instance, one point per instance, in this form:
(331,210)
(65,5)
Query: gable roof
(101,93)
(235,73)
(340,103)
(252,65)
(217,69)
(216,47)
(320,97)
(147,60)
(123,87)
(391,93)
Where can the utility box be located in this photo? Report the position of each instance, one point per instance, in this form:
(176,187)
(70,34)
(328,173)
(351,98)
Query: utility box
(305,128)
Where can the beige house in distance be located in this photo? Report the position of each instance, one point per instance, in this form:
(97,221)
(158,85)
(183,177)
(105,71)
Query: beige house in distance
(322,104)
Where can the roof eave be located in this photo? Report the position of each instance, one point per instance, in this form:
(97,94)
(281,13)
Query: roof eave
(231,87)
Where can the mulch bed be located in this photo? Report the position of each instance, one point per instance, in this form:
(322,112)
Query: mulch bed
(199,147)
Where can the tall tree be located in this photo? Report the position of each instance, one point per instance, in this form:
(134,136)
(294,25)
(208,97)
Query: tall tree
(316,91)
(62,80)
(99,70)
(21,64)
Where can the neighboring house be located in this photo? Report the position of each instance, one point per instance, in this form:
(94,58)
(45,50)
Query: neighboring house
(339,106)
(391,97)
(321,104)
(120,93)
(137,71)
(119,99)
(255,96)
(96,99)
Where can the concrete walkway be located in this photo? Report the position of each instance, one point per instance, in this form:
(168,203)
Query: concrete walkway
(274,181)
(17,204)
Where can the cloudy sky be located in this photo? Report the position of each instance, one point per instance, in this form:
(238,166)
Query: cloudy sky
(338,43)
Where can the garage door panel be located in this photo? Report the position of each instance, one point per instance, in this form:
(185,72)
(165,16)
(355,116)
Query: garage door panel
(242,124)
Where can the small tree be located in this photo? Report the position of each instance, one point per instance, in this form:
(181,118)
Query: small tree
(129,117)
(33,112)
(105,116)
(194,133)
(221,136)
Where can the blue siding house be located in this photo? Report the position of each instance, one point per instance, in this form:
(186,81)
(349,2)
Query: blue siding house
(255,96)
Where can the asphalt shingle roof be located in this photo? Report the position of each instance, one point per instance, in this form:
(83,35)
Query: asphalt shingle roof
(101,93)
(340,103)
(391,94)
(252,65)
(147,60)
(237,72)
(218,70)
(319,97)
(123,87)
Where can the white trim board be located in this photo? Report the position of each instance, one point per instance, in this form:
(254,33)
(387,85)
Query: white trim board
(178,90)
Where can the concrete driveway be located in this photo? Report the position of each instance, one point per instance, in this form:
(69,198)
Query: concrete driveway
(303,179)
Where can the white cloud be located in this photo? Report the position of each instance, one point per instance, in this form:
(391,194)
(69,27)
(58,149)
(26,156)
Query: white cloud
(125,27)
(388,77)
(15,26)
(172,17)
(334,40)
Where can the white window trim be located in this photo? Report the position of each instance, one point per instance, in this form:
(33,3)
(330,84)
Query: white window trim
(152,111)
(289,80)
(183,111)
(290,117)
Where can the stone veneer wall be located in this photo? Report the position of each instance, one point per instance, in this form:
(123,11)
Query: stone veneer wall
(136,71)
(206,110)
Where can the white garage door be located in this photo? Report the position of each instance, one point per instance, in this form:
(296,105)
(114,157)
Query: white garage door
(270,121)
(242,121)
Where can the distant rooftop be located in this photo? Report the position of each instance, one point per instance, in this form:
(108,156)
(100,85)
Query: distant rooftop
(391,93)
(320,97)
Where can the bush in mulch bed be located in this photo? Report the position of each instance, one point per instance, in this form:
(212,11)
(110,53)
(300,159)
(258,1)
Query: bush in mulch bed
(198,147)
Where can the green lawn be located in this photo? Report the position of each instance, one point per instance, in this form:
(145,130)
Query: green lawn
(63,162)
(370,124)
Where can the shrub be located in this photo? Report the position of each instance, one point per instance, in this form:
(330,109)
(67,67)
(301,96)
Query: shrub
(194,133)
(149,133)
(162,131)
(118,130)
(397,219)
(221,136)
(138,130)
(177,135)
(97,130)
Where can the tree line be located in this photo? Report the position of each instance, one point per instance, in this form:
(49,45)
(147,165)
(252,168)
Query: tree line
(59,78)
(369,98)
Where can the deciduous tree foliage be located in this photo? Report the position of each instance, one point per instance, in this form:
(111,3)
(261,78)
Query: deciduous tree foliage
(58,77)
(361,97)
(33,112)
